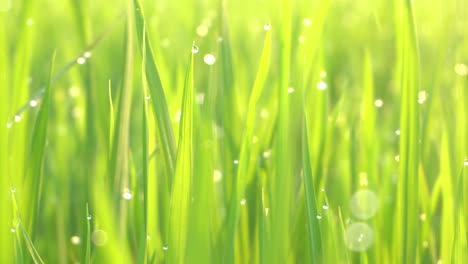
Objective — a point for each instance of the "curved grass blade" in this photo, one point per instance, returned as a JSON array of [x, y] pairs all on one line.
[[181, 193], [159, 102], [33, 184], [246, 149]]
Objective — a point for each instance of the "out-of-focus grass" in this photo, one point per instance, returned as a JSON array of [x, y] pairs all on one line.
[[233, 131]]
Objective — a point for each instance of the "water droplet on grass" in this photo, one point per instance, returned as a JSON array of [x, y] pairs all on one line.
[[165, 247], [89, 217], [75, 240], [364, 204], [243, 201], [397, 132], [127, 195], [321, 85], [9, 125], [236, 162], [397, 158], [267, 154], [148, 98], [378, 103], [33, 103], [209, 59], [290, 90], [465, 162], [87, 54], [359, 236], [81, 60], [325, 207], [17, 118], [13, 230], [266, 27], [29, 22], [319, 216], [13, 190], [195, 49], [307, 22]]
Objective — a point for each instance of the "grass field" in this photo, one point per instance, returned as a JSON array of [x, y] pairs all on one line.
[[214, 131]]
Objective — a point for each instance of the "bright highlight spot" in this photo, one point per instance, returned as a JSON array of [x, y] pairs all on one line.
[[359, 236], [209, 59], [364, 204]]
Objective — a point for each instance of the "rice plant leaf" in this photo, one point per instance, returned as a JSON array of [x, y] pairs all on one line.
[[313, 227], [159, 101], [34, 181], [181, 192], [246, 148]]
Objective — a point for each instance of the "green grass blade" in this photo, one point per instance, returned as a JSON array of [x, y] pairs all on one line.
[[159, 101], [313, 227], [408, 182], [34, 182], [181, 193], [246, 149]]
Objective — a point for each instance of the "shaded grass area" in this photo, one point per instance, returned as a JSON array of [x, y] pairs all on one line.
[[233, 132]]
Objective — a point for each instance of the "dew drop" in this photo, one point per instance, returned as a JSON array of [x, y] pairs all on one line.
[[267, 154], [9, 125], [307, 22], [323, 74], [322, 189], [13, 230], [81, 60], [13, 190], [33, 103], [127, 195], [89, 217], [319, 216], [236, 162], [397, 132], [290, 90], [165, 247], [243, 201], [209, 59], [17, 118], [195, 49], [87, 54], [147, 98], [29, 22], [266, 27], [465, 162], [264, 113], [364, 204], [325, 207], [378, 103], [359, 236], [75, 240], [322, 85], [397, 158]]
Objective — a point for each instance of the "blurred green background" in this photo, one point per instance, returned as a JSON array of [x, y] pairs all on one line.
[[205, 131]]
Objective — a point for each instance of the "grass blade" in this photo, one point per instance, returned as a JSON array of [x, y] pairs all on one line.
[[160, 107], [181, 193]]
